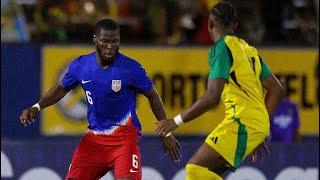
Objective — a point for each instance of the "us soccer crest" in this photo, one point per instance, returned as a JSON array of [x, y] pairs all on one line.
[[116, 85]]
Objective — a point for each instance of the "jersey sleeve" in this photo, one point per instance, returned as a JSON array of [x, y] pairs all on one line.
[[219, 61], [141, 80], [265, 70], [70, 80]]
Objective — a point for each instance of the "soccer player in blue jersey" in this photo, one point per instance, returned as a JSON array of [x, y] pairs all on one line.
[[111, 82]]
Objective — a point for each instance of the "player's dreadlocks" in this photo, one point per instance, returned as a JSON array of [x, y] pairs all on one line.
[[225, 13]]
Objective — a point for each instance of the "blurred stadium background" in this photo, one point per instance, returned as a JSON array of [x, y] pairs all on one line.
[[170, 38]]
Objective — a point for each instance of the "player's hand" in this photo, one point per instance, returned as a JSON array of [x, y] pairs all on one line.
[[172, 147], [259, 152], [165, 126], [28, 115]]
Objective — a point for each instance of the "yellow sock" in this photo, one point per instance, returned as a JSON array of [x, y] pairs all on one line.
[[196, 172]]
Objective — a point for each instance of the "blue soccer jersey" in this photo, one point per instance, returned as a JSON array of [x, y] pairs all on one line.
[[111, 92]]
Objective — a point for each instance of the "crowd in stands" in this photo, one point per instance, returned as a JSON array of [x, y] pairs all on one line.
[[173, 22]]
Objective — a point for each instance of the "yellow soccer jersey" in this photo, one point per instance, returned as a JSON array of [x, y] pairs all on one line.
[[233, 59]]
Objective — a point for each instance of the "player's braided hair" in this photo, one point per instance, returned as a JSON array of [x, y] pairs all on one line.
[[225, 13], [107, 24]]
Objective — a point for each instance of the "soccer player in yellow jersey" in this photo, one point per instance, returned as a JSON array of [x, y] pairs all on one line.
[[237, 76]]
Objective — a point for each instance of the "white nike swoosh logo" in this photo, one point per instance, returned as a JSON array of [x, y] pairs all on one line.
[[83, 81], [133, 171]]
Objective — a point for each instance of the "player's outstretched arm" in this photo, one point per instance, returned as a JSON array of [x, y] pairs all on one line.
[[210, 100], [170, 144], [56, 93], [274, 90]]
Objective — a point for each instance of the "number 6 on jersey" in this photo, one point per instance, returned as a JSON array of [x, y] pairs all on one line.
[[88, 93]]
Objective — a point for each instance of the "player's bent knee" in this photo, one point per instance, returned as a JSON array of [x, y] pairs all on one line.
[[195, 172]]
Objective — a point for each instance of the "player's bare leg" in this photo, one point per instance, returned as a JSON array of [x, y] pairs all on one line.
[[207, 158]]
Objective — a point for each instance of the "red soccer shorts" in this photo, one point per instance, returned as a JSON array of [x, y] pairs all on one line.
[[92, 160]]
